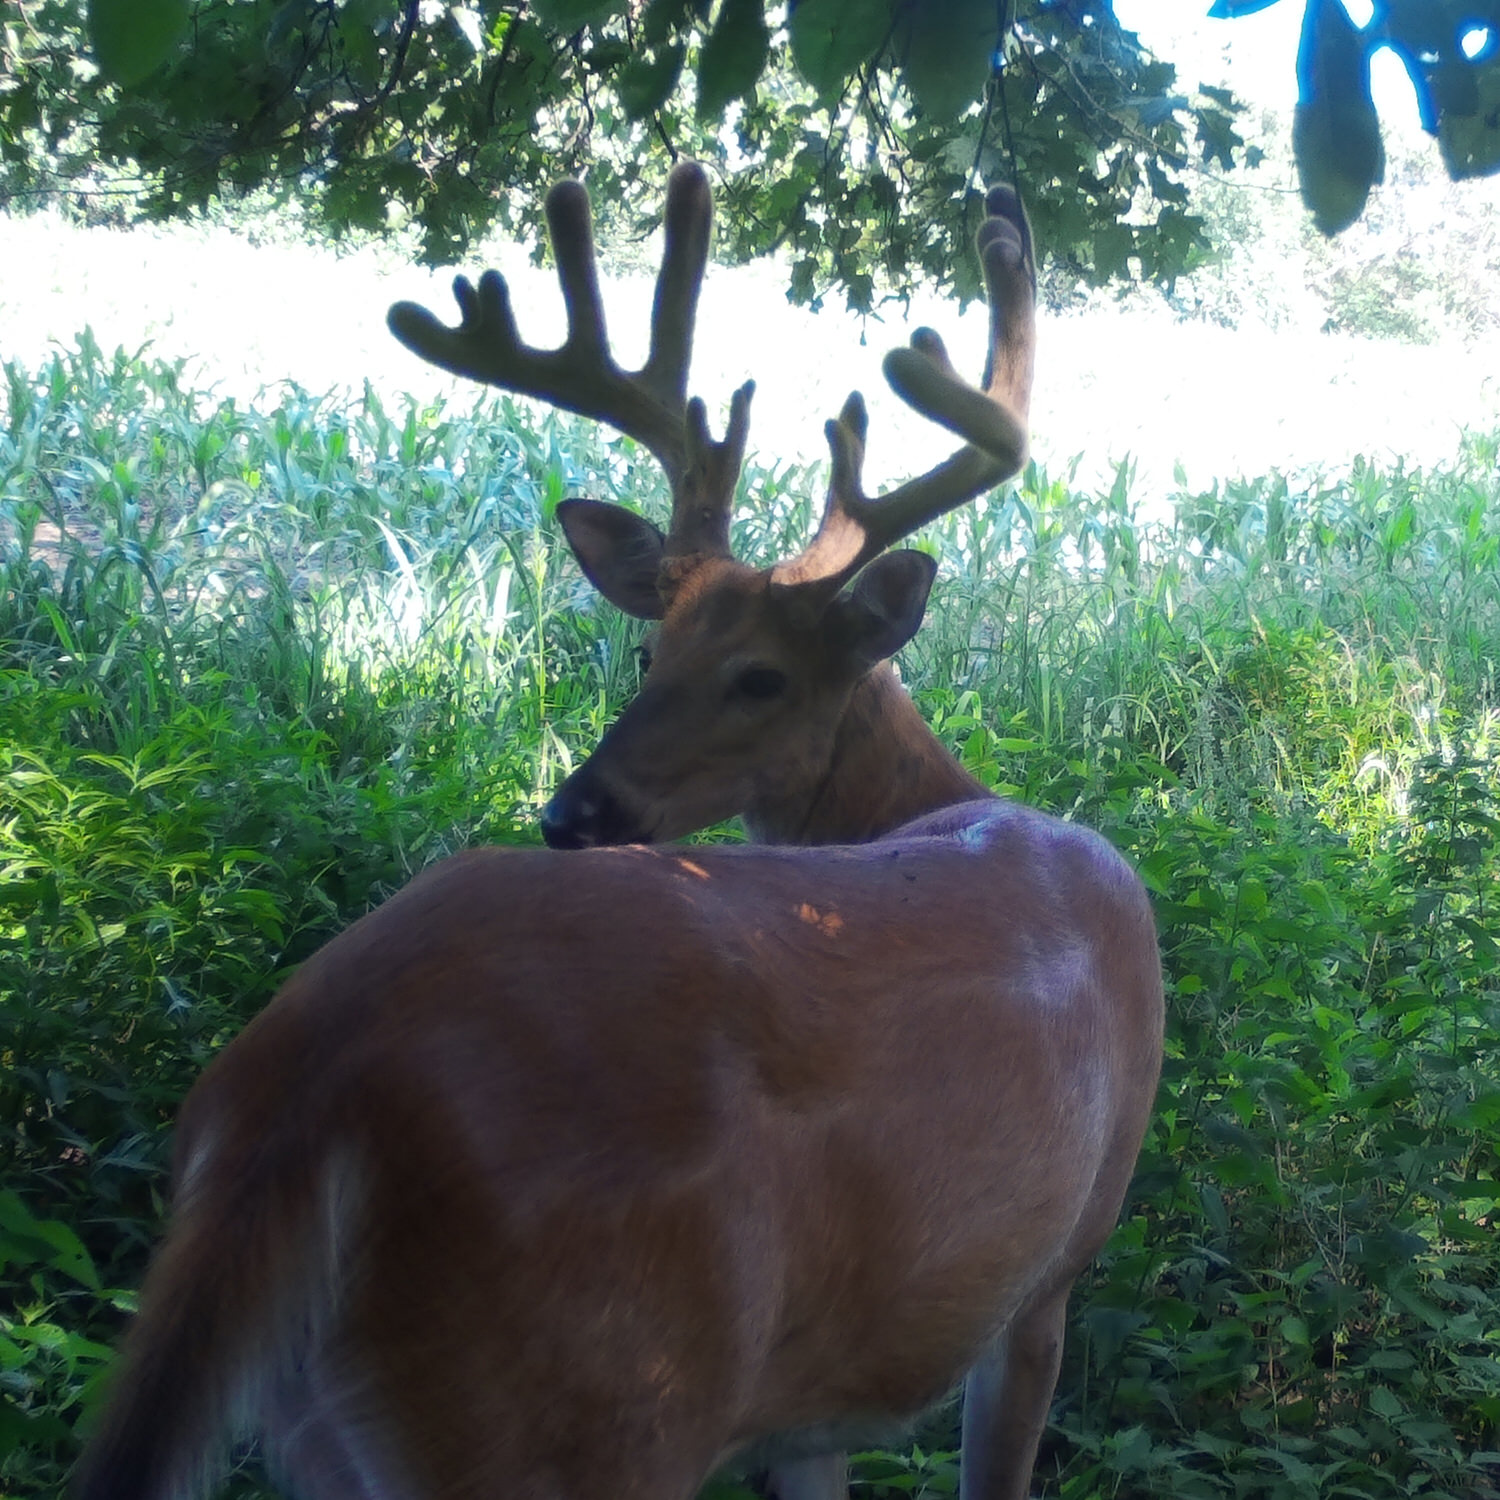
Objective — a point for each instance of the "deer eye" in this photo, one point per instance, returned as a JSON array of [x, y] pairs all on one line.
[[761, 683]]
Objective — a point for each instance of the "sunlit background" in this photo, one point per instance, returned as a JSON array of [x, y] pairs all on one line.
[[1171, 389]]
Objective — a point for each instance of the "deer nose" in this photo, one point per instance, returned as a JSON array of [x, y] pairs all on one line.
[[583, 813], [566, 821]]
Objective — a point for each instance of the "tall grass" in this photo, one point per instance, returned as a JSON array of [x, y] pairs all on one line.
[[258, 666]]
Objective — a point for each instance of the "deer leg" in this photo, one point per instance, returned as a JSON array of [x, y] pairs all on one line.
[[823, 1477], [1007, 1396]]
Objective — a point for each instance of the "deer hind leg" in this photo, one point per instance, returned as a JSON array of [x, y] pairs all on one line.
[[315, 1454], [309, 1449], [1007, 1396], [825, 1476]]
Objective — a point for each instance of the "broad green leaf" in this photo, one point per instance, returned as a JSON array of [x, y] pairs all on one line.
[[646, 81], [574, 15], [662, 17], [133, 38], [1335, 130], [733, 57], [946, 50], [1471, 141], [67, 1253], [831, 38], [20, 1429]]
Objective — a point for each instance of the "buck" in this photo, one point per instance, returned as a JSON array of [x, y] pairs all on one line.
[[572, 1175]]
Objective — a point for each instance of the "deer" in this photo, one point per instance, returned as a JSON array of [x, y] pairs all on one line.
[[592, 1170]]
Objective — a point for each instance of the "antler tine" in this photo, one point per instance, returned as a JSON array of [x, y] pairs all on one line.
[[991, 420], [703, 495], [703, 501], [582, 376], [570, 227], [687, 224]]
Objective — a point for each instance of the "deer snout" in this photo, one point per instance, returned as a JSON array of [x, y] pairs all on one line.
[[584, 813]]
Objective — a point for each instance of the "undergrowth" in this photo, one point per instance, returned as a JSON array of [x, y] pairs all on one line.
[[259, 666]]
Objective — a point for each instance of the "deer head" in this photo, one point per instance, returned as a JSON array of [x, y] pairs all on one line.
[[752, 670]]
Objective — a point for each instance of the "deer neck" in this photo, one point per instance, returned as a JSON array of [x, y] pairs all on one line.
[[887, 768]]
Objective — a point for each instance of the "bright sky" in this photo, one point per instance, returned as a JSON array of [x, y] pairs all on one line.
[[1256, 54]]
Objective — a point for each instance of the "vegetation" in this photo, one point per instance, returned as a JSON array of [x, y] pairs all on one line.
[[1449, 49], [857, 135], [1419, 267], [259, 666]]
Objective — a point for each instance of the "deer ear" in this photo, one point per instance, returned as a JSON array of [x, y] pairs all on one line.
[[881, 613], [620, 553]]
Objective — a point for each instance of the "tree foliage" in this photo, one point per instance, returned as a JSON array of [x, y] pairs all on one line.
[[856, 135], [1451, 52]]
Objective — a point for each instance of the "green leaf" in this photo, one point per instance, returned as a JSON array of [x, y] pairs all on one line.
[[831, 38], [1471, 142], [20, 1429], [733, 57], [568, 16], [1294, 1331], [63, 1249], [662, 17], [646, 82], [1335, 130], [946, 48], [133, 38]]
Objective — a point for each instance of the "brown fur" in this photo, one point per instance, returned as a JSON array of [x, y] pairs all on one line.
[[616, 1198]]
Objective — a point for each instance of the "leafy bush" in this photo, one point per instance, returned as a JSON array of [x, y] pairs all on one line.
[[259, 666]]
